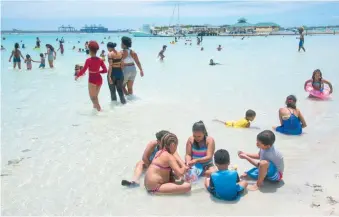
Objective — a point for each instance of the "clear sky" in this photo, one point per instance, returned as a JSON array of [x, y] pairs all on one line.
[[48, 15]]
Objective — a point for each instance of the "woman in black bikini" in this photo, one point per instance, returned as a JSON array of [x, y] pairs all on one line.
[[115, 74]]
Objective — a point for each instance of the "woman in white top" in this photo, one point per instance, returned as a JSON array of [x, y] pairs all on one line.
[[129, 59]]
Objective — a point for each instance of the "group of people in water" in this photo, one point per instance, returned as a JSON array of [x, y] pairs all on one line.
[[51, 54], [165, 171], [121, 70]]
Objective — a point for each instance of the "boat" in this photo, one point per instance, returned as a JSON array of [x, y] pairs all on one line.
[[145, 31]]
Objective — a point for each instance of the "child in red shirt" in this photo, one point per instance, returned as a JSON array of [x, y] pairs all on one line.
[[93, 65]]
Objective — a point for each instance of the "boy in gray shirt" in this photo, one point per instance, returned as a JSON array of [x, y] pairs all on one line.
[[271, 162]]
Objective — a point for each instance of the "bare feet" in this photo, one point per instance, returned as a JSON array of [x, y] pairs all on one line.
[[274, 127], [254, 187], [244, 176]]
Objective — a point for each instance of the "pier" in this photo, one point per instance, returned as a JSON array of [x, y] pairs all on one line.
[[66, 29]]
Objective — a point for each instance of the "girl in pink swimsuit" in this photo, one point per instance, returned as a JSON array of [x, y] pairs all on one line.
[[158, 175]]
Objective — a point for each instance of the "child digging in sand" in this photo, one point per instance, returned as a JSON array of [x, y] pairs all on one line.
[[242, 123], [158, 178], [271, 162], [224, 184]]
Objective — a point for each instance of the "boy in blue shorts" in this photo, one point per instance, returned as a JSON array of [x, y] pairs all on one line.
[[271, 162], [224, 184]]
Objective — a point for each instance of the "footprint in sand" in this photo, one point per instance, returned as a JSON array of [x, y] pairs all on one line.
[[315, 205], [331, 201], [26, 150], [15, 161]]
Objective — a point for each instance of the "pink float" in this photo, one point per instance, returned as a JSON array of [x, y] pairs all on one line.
[[325, 94]]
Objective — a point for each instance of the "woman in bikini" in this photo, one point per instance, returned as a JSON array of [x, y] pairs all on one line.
[[94, 80], [158, 175], [16, 54], [115, 74]]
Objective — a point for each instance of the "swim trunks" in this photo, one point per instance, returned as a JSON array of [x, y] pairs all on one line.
[[16, 60]]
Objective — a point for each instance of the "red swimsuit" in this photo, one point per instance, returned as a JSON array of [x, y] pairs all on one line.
[[94, 64]]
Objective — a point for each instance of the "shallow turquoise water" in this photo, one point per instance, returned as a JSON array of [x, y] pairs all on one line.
[[76, 160]]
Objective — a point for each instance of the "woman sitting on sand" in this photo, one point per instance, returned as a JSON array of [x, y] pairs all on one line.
[[158, 178], [291, 119], [129, 57], [200, 149], [151, 149]]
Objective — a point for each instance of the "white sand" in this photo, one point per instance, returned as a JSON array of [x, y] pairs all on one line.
[[66, 161]]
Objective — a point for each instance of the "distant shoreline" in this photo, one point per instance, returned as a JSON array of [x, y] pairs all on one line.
[[53, 31], [222, 35]]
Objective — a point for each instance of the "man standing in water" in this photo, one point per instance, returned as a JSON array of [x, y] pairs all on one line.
[[301, 38]]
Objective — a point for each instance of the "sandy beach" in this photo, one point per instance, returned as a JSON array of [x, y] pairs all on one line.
[[59, 158]]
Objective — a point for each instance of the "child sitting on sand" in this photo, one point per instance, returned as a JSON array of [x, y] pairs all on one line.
[[28, 62], [158, 175], [318, 82], [151, 149], [242, 123], [271, 162], [224, 184]]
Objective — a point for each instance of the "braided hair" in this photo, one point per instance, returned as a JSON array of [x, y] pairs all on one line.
[[167, 140]]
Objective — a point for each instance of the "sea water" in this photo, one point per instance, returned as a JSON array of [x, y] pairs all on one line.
[[59, 158]]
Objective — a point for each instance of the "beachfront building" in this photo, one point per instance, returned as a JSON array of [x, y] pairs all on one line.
[[266, 27], [241, 27], [93, 29], [66, 29]]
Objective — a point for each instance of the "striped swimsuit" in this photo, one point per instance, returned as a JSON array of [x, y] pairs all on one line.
[[200, 152]]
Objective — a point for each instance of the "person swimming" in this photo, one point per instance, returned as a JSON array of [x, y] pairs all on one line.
[[28, 62], [2, 47], [161, 53], [318, 82], [212, 63], [219, 48], [16, 54], [291, 119]]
